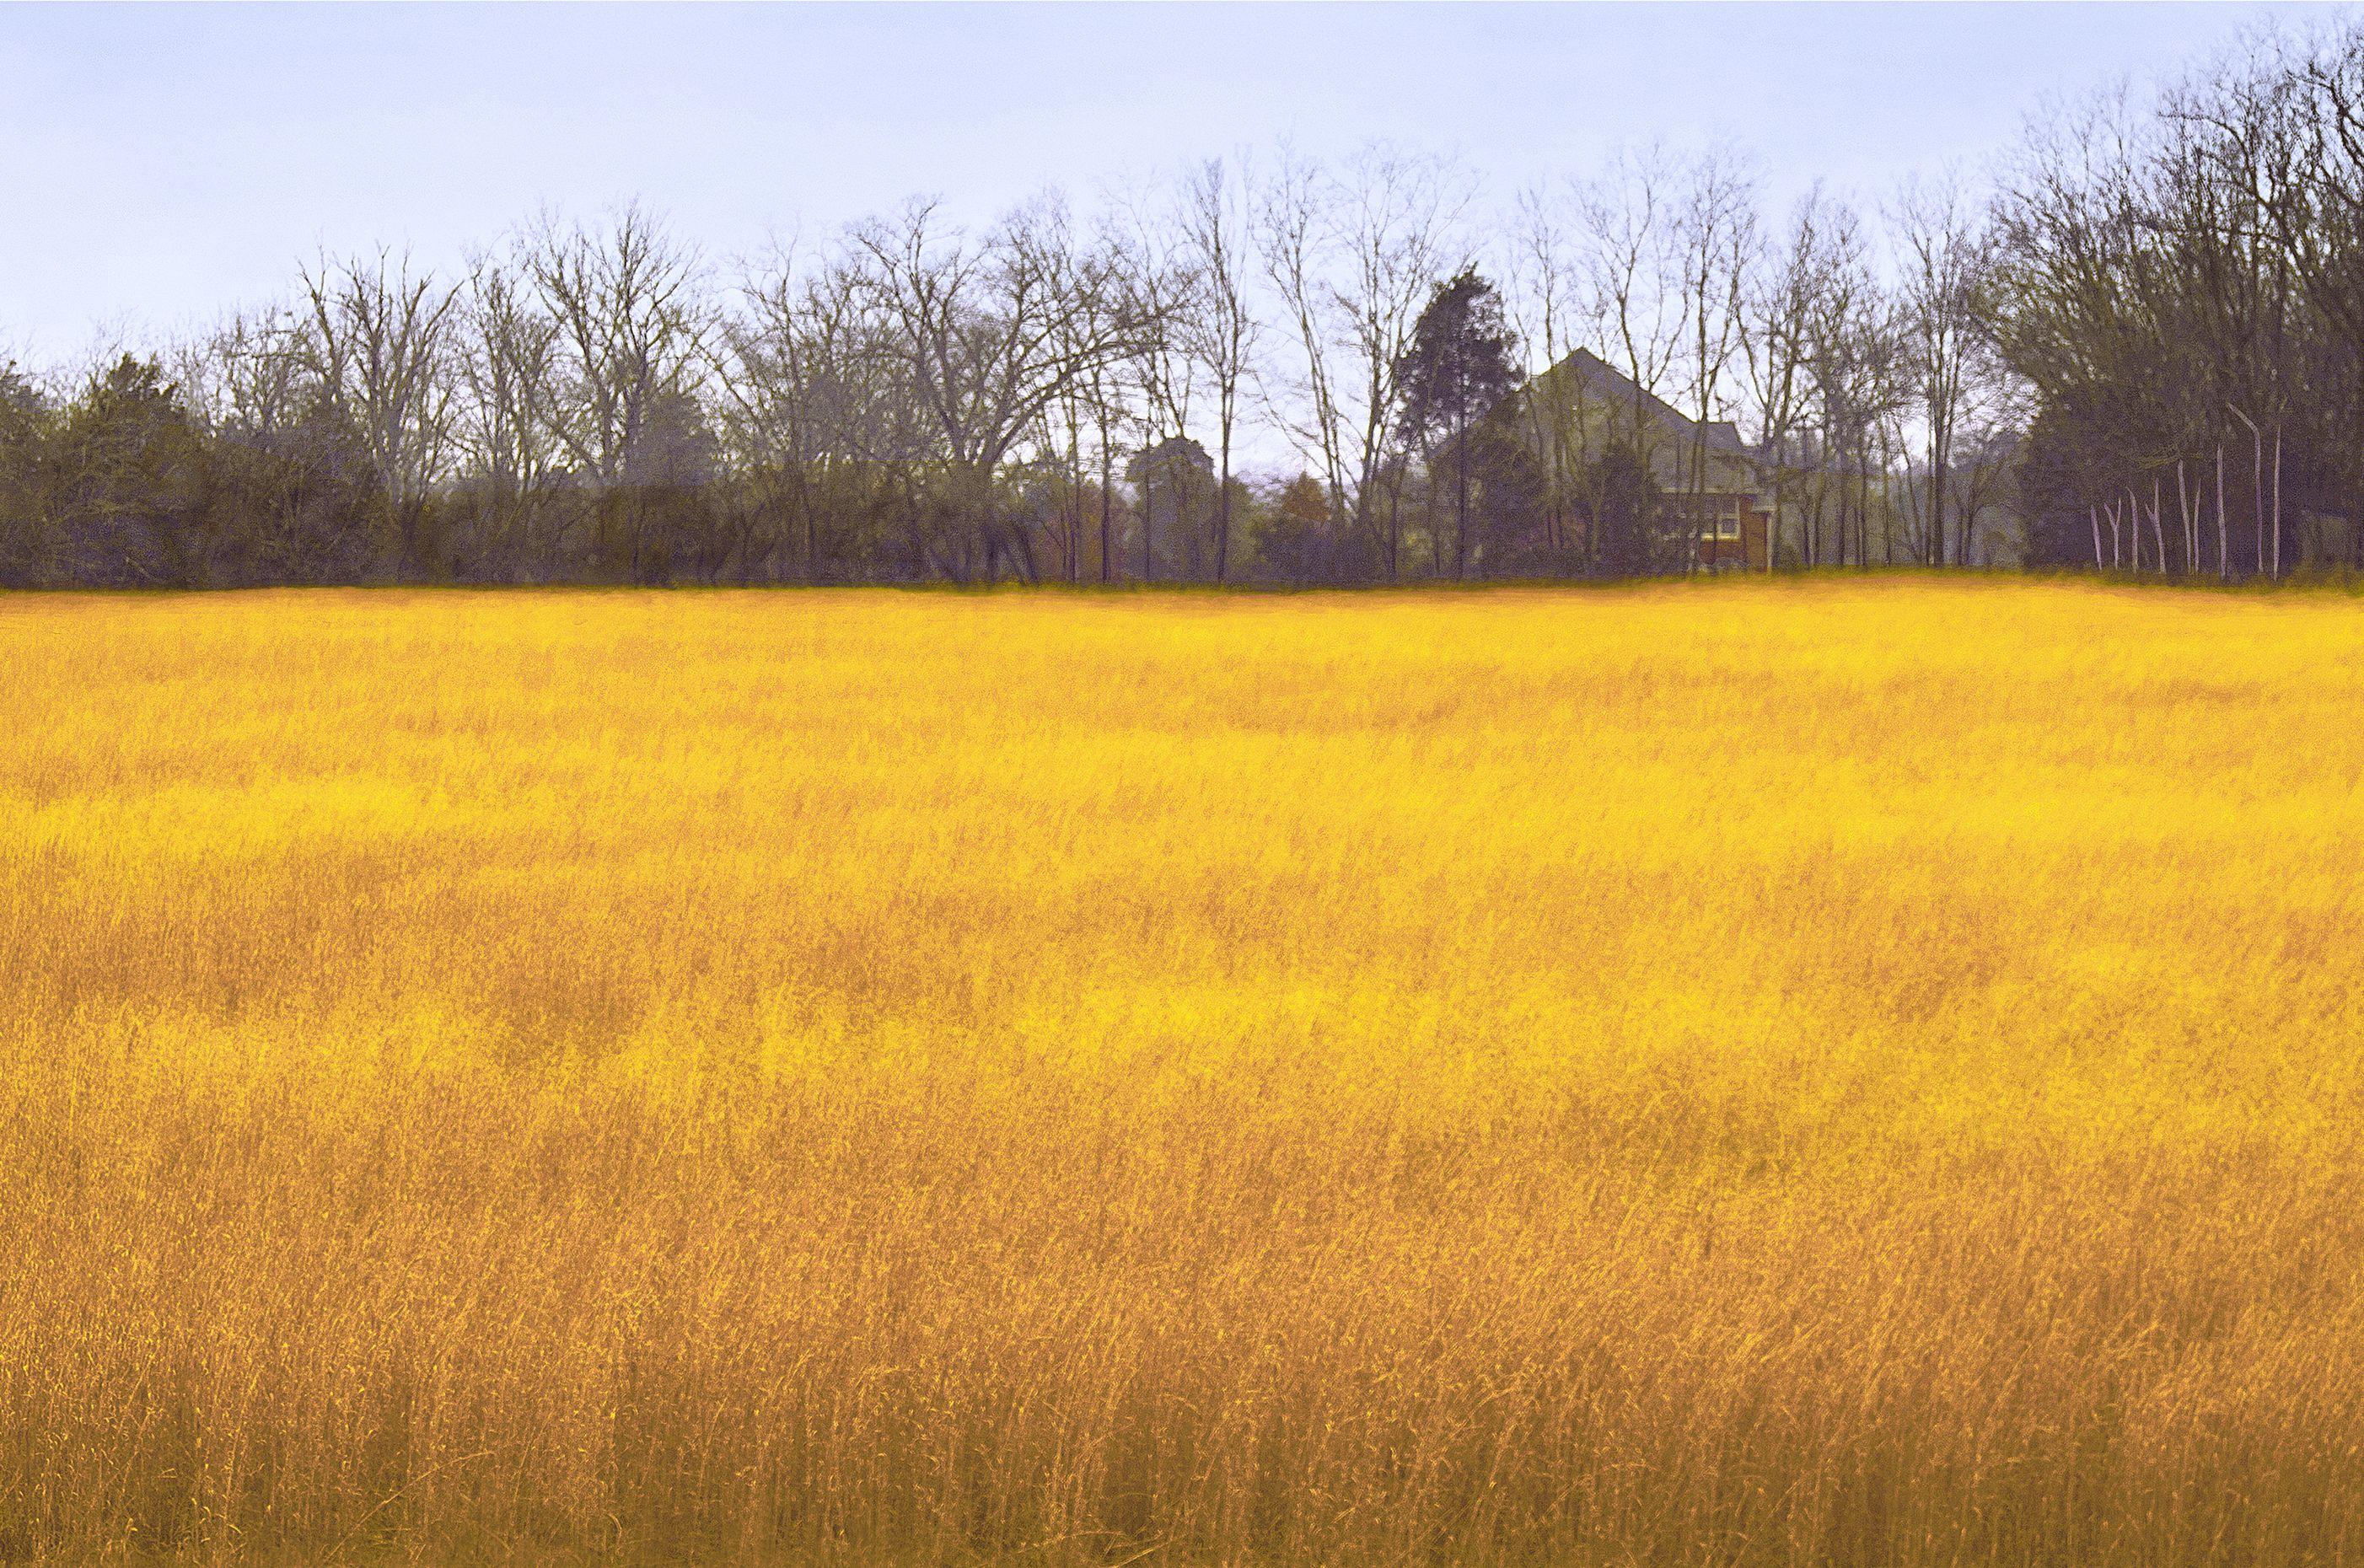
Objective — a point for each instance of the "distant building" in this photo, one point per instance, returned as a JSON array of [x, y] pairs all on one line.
[[1710, 498]]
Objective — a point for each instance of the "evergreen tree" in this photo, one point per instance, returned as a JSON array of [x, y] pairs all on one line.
[[1461, 363], [1624, 515]]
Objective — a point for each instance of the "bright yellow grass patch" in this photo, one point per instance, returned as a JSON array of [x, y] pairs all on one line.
[[1863, 1073]]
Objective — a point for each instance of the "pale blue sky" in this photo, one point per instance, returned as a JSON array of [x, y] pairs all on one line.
[[157, 164]]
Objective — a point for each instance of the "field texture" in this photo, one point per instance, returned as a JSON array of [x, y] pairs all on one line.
[[1860, 1073]]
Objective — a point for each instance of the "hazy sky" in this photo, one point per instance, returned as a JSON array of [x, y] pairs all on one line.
[[157, 164]]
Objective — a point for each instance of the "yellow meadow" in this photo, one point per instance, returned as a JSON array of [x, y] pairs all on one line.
[[1862, 1073]]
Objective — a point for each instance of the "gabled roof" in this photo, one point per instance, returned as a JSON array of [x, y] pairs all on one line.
[[1603, 382]]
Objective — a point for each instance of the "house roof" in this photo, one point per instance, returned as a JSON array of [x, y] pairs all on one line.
[[1603, 382]]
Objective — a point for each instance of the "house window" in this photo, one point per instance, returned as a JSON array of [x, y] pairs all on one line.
[[1727, 520]]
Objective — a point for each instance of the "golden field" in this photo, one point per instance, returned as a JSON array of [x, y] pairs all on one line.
[[1863, 1072]]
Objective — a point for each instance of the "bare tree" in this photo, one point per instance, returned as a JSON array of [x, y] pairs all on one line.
[[1856, 362], [1634, 261], [1296, 241], [992, 332], [630, 321], [1556, 313], [382, 340], [1354, 254], [252, 374], [507, 423], [1398, 218], [1219, 328], [1785, 294], [1943, 255], [1163, 371], [1717, 235]]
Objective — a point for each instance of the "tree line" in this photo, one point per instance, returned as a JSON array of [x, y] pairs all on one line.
[[2133, 348], [2182, 285]]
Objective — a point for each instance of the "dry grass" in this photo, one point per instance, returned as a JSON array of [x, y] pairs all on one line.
[[1844, 1074]]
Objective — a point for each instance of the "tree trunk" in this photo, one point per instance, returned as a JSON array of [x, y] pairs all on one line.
[[1224, 507], [2183, 515], [1936, 499], [1460, 519], [812, 542], [2278, 504], [2257, 490], [2223, 547], [1108, 505]]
